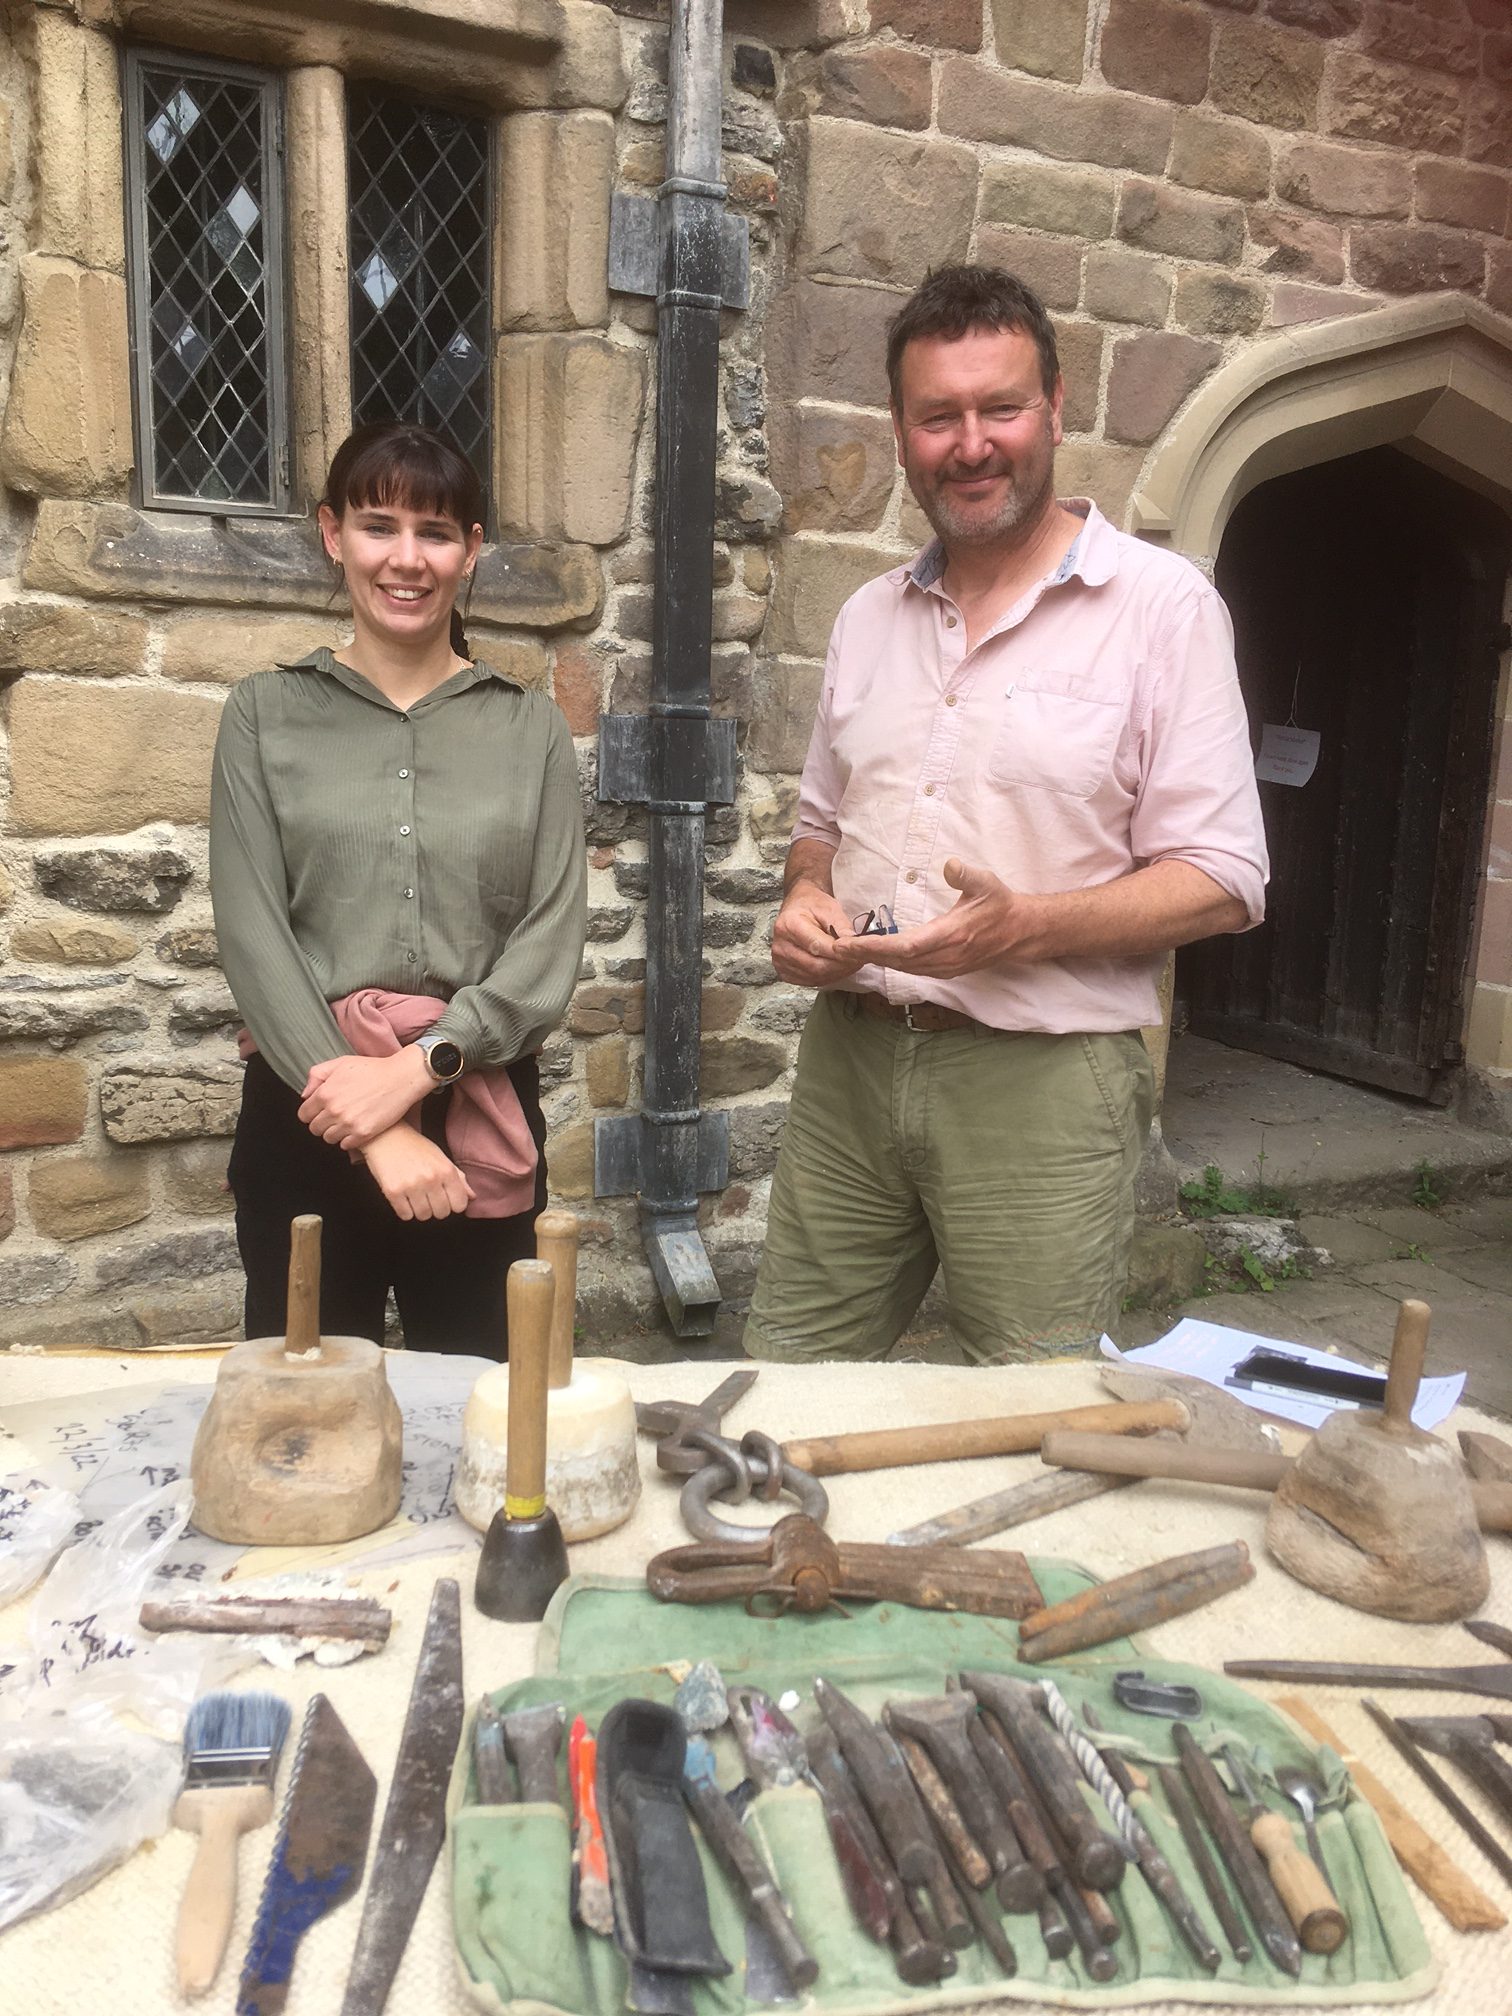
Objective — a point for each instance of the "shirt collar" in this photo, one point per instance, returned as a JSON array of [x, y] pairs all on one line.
[[323, 659], [1092, 556]]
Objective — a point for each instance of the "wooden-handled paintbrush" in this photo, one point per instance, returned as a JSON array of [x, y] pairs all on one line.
[[231, 1750]]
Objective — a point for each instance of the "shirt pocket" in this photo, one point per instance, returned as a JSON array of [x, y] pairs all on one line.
[[1058, 731]]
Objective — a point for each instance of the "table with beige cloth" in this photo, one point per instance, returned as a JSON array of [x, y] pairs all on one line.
[[114, 1943]]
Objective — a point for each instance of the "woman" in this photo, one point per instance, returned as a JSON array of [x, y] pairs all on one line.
[[398, 874]]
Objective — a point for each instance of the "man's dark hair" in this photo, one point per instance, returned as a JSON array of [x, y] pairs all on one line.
[[952, 301]]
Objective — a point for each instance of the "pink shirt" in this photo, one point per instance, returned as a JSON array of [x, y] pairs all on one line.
[[1098, 727]]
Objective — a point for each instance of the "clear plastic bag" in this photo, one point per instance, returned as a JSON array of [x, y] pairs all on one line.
[[74, 1803], [36, 1519]]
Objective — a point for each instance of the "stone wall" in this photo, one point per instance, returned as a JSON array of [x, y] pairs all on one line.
[[1178, 178]]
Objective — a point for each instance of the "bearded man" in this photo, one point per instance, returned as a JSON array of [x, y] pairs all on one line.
[[1031, 755]]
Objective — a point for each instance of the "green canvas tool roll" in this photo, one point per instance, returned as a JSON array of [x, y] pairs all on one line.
[[607, 1638]]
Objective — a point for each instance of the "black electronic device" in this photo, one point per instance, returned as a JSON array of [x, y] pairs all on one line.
[[1278, 1372]]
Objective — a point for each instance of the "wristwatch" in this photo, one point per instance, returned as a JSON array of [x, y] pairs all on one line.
[[443, 1059]]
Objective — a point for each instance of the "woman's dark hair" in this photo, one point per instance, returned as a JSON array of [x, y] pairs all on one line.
[[394, 462], [952, 301]]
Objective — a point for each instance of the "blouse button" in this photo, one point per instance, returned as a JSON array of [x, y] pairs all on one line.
[[404, 773], [408, 893], [404, 829], [409, 958]]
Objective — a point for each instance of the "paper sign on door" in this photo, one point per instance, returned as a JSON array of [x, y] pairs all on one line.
[[1287, 755]]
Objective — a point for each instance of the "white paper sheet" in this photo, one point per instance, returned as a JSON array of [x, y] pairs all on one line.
[[1209, 1351], [1288, 755]]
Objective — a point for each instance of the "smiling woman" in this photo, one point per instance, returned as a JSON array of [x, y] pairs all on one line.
[[398, 875]]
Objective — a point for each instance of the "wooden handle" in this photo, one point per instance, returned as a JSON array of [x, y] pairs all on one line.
[[1409, 1348], [1463, 1903], [998, 1435], [556, 1234], [1301, 1885], [1253, 1469], [302, 1322], [529, 1292], [209, 1904]]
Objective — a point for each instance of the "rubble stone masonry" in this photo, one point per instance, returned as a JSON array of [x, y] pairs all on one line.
[[1178, 178]]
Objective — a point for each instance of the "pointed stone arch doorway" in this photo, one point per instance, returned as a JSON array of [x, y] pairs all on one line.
[[1349, 487]]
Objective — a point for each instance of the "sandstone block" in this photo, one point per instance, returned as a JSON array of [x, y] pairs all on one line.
[[1159, 218], [184, 1256], [1415, 258], [68, 419], [1150, 378], [1157, 47], [31, 1278], [720, 1007], [1374, 101], [1423, 38], [169, 1099], [1050, 266], [732, 1064], [1047, 38], [755, 1137], [80, 207], [208, 1317], [1345, 181], [1319, 17], [1077, 202], [606, 922], [526, 660], [1101, 471], [571, 407], [600, 1010], [883, 208], [52, 637], [1267, 74], [787, 699], [941, 24], [198, 1009], [42, 1101], [883, 85], [1115, 129], [729, 676], [588, 67], [828, 341], [1219, 304], [1488, 134], [1223, 155], [814, 576], [7, 1204], [1303, 247], [194, 1178], [555, 166], [752, 184], [744, 885], [62, 1017], [219, 650], [63, 941], [1080, 345], [1124, 286], [143, 877], [576, 683], [319, 269], [755, 971], [569, 1161], [834, 469], [73, 1197], [1450, 194], [609, 1071], [771, 817], [94, 759], [1291, 303], [737, 617]]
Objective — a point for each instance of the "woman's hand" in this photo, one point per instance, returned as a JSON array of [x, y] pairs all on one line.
[[349, 1101], [419, 1179]]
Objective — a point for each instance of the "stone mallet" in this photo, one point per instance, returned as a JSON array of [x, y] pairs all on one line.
[[524, 1557]]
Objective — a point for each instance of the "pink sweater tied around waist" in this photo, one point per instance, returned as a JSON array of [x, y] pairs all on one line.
[[487, 1134]]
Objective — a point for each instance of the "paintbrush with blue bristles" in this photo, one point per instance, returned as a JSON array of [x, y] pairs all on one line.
[[231, 1749]]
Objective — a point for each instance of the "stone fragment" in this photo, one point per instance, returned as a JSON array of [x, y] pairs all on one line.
[[197, 1009], [729, 1065], [978, 101], [1101, 471], [34, 1277], [1488, 134], [42, 1101], [555, 166], [1165, 1265], [1267, 74], [1219, 304], [744, 885], [883, 208], [169, 1099], [1345, 181], [787, 699], [67, 429], [723, 928], [834, 469], [1080, 345], [1077, 202], [54, 637], [1415, 258], [1051, 267], [100, 759], [63, 942], [599, 1010], [194, 1179], [752, 68], [80, 206], [720, 1007], [219, 650], [571, 407], [827, 340], [1150, 378], [1303, 247], [745, 507], [737, 616], [940, 24], [569, 1161], [74, 1196], [783, 1011], [814, 577], [1125, 286], [183, 1256], [883, 85], [525, 660], [745, 393], [755, 1137], [632, 879], [143, 876], [1160, 218], [1158, 48], [1226, 156], [1422, 38], [609, 1071], [771, 817], [209, 1317], [1372, 101], [62, 1017], [576, 683], [189, 945], [1447, 193], [1048, 38]]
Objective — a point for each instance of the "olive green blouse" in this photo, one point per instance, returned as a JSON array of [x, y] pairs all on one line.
[[434, 851]]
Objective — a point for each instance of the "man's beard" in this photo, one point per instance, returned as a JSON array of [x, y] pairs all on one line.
[[1030, 485]]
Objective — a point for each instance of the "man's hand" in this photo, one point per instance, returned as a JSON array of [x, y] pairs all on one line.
[[989, 921], [351, 1100], [419, 1179], [807, 936]]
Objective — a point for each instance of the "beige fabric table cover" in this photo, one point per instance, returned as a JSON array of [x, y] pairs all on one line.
[[114, 1943]]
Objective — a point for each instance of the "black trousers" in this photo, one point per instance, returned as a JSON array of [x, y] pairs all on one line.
[[447, 1274]]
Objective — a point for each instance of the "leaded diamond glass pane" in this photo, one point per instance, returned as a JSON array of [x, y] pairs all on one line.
[[208, 282], [419, 191]]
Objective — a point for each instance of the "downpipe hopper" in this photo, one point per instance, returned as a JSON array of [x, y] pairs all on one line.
[[682, 1271]]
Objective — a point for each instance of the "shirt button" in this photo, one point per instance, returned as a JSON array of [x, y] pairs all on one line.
[[950, 622], [929, 790], [950, 699], [404, 829], [409, 958], [404, 773], [912, 875], [408, 893]]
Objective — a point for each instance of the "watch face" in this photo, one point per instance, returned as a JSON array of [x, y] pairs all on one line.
[[444, 1059]]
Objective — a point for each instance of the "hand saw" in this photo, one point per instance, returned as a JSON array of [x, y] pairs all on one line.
[[317, 1859]]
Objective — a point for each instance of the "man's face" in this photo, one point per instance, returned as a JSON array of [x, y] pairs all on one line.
[[977, 433]]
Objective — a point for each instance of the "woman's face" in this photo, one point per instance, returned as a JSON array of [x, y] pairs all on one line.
[[404, 569]]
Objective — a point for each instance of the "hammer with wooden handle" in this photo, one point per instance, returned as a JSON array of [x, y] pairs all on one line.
[[996, 1435]]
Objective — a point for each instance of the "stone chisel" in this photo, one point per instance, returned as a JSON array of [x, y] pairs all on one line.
[[1441, 1789], [1239, 1854], [414, 1820]]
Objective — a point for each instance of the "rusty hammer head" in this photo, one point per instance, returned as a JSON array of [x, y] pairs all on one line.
[[1450, 1735]]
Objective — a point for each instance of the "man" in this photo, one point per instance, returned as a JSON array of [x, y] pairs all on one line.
[[1031, 748]]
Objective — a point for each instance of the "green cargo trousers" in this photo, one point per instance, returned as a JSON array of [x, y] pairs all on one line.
[[1005, 1158]]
